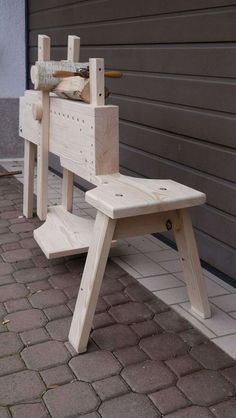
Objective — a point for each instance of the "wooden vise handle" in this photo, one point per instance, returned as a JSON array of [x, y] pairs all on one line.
[[64, 74]]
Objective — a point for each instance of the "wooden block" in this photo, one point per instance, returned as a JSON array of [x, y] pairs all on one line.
[[146, 224], [29, 127]]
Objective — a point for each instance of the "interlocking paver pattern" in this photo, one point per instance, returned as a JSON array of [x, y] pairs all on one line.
[[143, 360]]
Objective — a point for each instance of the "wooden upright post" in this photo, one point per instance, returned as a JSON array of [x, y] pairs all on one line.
[[97, 87], [29, 164], [73, 53], [43, 148]]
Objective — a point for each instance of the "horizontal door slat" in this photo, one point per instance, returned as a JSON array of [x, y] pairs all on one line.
[[95, 11], [220, 193], [210, 126], [207, 158], [205, 93], [216, 224], [195, 27]]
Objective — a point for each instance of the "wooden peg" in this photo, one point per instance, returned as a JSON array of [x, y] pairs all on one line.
[[44, 45], [37, 111], [73, 49]]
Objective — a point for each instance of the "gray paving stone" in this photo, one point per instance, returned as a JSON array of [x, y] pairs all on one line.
[[4, 413], [131, 405], [57, 312], [31, 410], [71, 400], [111, 387], [11, 214], [10, 343], [110, 286], [11, 364], [5, 268], [101, 320], [191, 412], [59, 329], [17, 305], [30, 275], [19, 387], [146, 328], [114, 337], [34, 336], [157, 306], [116, 299], [8, 238], [57, 375], [130, 313], [225, 409], [164, 346], [127, 280], [57, 269], [25, 320], [205, 387], [72, 291], [7, 279], [169, 400], [28, 243], [64, 280], [113, 270], [211, 356], [76, 265], [130, 355], [148, 376], [10, 246], [101, 305], [2, 310], [183, 365], [95, 366], [44, 355], [193, 337], [38, 285], [230, 374], [47, 298], [139, 293], [12, 291], [92, 415], [22, 227], [172, 321], [16, 255]]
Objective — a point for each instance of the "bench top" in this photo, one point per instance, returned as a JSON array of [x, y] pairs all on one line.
[[120, 196]]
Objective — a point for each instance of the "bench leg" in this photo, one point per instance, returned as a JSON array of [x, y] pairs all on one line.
[[192, 270], [29, 164], [67, 189], [91, 282]]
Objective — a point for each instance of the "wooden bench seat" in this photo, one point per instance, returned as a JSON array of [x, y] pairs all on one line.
[[120, 196]]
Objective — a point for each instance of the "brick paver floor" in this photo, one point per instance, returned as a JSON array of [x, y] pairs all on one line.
[[143, 360]]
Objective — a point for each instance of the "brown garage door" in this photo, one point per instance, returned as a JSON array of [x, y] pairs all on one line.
[[177, 97]]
